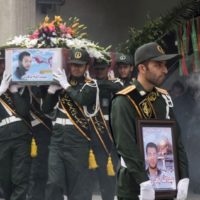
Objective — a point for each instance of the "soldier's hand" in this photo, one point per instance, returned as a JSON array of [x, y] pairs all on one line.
[[182, 189], [61, 77], [146, 191], [53, 88], [5, 82], [14, 88], [87, 74], [111, 75]]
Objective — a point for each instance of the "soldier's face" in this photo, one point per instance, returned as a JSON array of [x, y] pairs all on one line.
[[124, 71], [26, 62], [101, 73], [155, 72], [152, 157], [77, 70]]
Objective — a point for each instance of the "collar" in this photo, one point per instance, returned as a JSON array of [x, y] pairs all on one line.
[[76, 80], [141, 89]]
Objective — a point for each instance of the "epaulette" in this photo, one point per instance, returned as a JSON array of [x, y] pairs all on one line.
[[88, 80], [127, 90], [112, 79], [161, 90]]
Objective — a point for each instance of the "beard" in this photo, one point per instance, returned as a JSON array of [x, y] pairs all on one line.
[[158, 81]]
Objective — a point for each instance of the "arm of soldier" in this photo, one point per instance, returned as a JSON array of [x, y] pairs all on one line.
[[123, 128], [21, 103], [111, 85], [85, 96], [182, 156], [49, 102]]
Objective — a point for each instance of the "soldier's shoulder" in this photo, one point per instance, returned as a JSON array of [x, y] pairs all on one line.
[[89, 80], [126, 90], [162, 91]]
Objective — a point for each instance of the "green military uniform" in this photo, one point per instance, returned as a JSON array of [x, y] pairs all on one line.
[[107, 183], [123, 59], [41, 128], [15, 142], [124, 115], [69, 149]]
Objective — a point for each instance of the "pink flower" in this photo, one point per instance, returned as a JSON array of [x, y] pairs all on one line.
[[62, 28], [51, 27], [34, 35], [69, 31]]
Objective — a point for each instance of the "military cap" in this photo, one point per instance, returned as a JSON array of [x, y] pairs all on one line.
[[123, 59], [2, 54], [78, 56], [100, 63], [151, 51]]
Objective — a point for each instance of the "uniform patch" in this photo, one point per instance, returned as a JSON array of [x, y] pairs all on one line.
[[127, 90], [163, 91], [146, 108]]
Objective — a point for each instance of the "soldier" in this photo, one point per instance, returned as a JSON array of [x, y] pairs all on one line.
[[128, 106], [70, 144], [41, 128], [15, 140], [124, 68], [107, 89], [2, 68]]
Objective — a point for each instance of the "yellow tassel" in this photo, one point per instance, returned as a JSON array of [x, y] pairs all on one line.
[[110, 168], [92, 160], [33, 148]]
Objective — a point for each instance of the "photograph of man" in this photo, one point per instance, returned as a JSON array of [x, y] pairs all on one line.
[[25, 61], [152, 160]]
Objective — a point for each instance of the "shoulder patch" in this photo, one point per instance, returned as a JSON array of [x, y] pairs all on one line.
[[88, 80], [127, 90], [163, 91], [112, 79]]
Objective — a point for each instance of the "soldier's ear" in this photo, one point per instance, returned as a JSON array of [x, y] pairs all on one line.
[[142, 68], [87, 67], [131, 67]]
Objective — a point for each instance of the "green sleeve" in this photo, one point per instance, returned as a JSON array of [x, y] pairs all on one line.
[[85, 96], [181, 153], [112, 86], [123, 117], [49, 102], [22, 105]]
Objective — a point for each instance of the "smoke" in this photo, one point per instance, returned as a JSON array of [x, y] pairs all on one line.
[[193, 83], [190, 127]]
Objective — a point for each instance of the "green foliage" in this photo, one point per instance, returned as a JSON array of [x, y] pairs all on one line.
[[156, 29], [149, 32]]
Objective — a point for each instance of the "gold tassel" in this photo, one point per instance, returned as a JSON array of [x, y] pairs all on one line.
[[33, 148], [92, 160], [110, 168]]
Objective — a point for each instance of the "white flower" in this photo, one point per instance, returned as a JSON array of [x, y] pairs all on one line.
[[30, 43], [93, 49]]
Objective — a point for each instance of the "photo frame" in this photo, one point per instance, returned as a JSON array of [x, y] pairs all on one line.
[[34, 66], [156, 139]]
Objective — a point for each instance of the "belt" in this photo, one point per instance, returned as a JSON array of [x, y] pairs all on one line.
[[9, 120], [63, 121], [35, 122]]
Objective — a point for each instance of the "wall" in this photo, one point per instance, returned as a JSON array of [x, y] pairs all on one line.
[[16, 17], [108, 21]]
